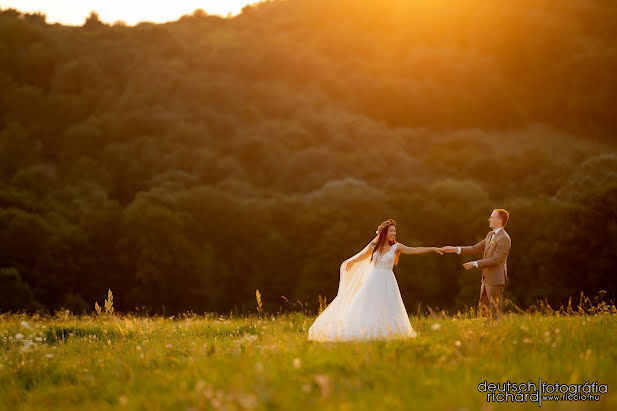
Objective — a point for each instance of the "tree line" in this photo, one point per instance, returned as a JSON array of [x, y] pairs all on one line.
[[185, 165]]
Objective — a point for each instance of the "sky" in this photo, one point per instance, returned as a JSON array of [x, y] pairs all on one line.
[[74, 12]]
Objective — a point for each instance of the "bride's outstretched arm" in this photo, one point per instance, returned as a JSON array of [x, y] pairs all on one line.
[[418, 250], [366, 252]]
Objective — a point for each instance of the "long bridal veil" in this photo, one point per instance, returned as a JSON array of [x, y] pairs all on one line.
[[350, 281], [329, 324]]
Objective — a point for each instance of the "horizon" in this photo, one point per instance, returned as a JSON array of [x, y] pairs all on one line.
[[112, 11]]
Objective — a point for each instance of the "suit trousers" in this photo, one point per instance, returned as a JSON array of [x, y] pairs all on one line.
[[491, 297]]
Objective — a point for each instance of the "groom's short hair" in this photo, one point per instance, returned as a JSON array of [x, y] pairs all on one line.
[[505, 216]]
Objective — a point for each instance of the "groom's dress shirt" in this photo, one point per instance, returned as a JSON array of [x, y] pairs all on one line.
[[475, 263]]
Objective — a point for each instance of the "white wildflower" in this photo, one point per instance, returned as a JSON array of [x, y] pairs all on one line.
[[28, 345], [248, 401], [325, 384]]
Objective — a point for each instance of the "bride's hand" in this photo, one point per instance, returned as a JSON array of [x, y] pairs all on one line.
[[439, 251]]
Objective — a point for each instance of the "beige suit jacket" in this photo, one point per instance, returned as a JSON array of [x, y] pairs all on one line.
[[494, 264]]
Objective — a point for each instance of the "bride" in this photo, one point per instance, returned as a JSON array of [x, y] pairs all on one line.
[[369, 304]]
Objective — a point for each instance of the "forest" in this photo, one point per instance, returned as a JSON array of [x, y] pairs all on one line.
[[185, 165]]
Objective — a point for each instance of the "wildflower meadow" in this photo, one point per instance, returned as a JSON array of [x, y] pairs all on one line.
[[260, 361]]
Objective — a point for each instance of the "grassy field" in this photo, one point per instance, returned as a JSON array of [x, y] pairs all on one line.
[[266, 362]]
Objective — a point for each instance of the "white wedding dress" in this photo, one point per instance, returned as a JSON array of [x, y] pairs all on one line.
[[368, 305]]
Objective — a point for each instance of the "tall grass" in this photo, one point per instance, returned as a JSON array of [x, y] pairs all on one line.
[[110, 360]]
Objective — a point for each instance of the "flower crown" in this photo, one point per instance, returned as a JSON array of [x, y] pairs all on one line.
[[385, 224]]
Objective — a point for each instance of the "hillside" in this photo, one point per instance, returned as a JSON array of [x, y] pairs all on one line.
[[186, 164]]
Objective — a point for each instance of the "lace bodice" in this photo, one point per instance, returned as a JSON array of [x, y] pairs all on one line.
[[386, 260]]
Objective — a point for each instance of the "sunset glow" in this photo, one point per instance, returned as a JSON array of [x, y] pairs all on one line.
[[72, 12]]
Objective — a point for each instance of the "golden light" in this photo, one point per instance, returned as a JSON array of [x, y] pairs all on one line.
[[74, 12]]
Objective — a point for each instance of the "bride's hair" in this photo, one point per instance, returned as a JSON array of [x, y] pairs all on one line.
[[382, 231]]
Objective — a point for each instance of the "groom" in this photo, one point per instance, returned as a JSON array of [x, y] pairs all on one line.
[[495, 248]]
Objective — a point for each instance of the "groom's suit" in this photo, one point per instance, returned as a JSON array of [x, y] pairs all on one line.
[[494, 267]]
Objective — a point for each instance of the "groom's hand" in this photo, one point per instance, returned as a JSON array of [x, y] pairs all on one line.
[[449, 249], [468, 266]]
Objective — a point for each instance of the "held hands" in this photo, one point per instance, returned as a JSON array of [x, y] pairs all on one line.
[[450, 249]]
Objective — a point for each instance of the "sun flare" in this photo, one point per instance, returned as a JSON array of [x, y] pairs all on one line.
[[71, 12]]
